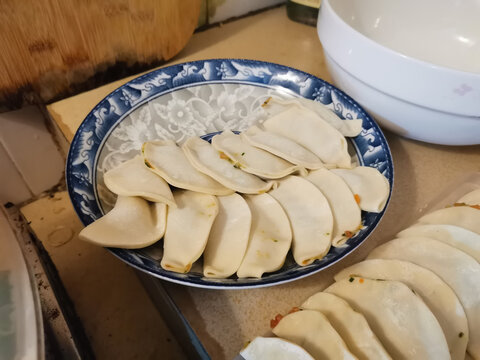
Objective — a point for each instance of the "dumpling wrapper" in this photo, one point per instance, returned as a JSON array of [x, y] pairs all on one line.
[[459, 270], [167, 160], [206, 159], [311, 330], [274, 348], [310, 131], [472, 198], [310, 218], [228, 238], [251, 159], [188, 227], [436, 294], [347, 216], [400, 319], [458, 237], [369, 184], [270, 237], [348, 127], [350, 325], [282, 147], [463, 216], [133, 223], [133, 178]]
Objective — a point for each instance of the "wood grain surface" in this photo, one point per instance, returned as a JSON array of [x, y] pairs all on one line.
[[55, 48]]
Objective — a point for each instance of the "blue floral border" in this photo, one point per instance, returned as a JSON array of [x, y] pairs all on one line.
[[371, 146]]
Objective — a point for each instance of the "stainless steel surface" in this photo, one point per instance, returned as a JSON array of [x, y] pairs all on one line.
[[58, 331]]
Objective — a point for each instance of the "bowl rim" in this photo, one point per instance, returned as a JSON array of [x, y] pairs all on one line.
[[455, 91]]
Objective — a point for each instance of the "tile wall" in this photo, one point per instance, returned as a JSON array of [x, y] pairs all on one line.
[[30, 162], [215, 11]]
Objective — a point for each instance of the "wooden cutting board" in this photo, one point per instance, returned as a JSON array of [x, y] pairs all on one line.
[[55, 48]]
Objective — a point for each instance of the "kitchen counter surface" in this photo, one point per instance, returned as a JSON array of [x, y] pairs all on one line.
[[224, 320]]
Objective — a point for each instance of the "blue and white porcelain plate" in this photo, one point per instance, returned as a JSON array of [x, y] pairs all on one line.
[[201, 98]]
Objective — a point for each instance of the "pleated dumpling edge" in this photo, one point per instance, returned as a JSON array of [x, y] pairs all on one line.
[[167, 160]]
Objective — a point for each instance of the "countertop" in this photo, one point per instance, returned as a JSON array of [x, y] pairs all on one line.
[[225, 320]]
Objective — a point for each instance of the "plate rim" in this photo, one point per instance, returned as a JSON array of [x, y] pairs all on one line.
[[202, 282]]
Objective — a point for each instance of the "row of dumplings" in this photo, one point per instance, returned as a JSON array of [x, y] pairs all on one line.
[[246, 234], [414, 297], [291, 141], [249, 233], [301, 135]]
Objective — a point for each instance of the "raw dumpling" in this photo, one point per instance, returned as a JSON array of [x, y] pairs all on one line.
[[166, 159], [314, 333], [188, 227], [310, 131], [348, 127], [251, 159], [282, 147], [310, 218], [228, 238], [459, 270], [400, 319], [458, 237], [463, 216], [209, 161], [270, 237], [347, 219], [472, 198], [369, 186], [133, 223], [351, 325], [133, 178], [266, 348], [436, 294]]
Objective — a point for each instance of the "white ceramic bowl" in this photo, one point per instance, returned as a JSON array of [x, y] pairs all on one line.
[[415, 65]]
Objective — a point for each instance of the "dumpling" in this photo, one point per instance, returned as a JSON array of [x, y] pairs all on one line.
[[436, 294], [209, 161], [348, 127], [347, 217], [282, 147], [463, 216], [472, 198], [167, 160], [314, 333], [369, 186], [274, 348], [188, 227], [310, 218], [459, 270], [310, 131], [133, 178], [400, 319], [251, 159], [270, 237], [133, 223], [228, 238], [351, 325], [458, 237]]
